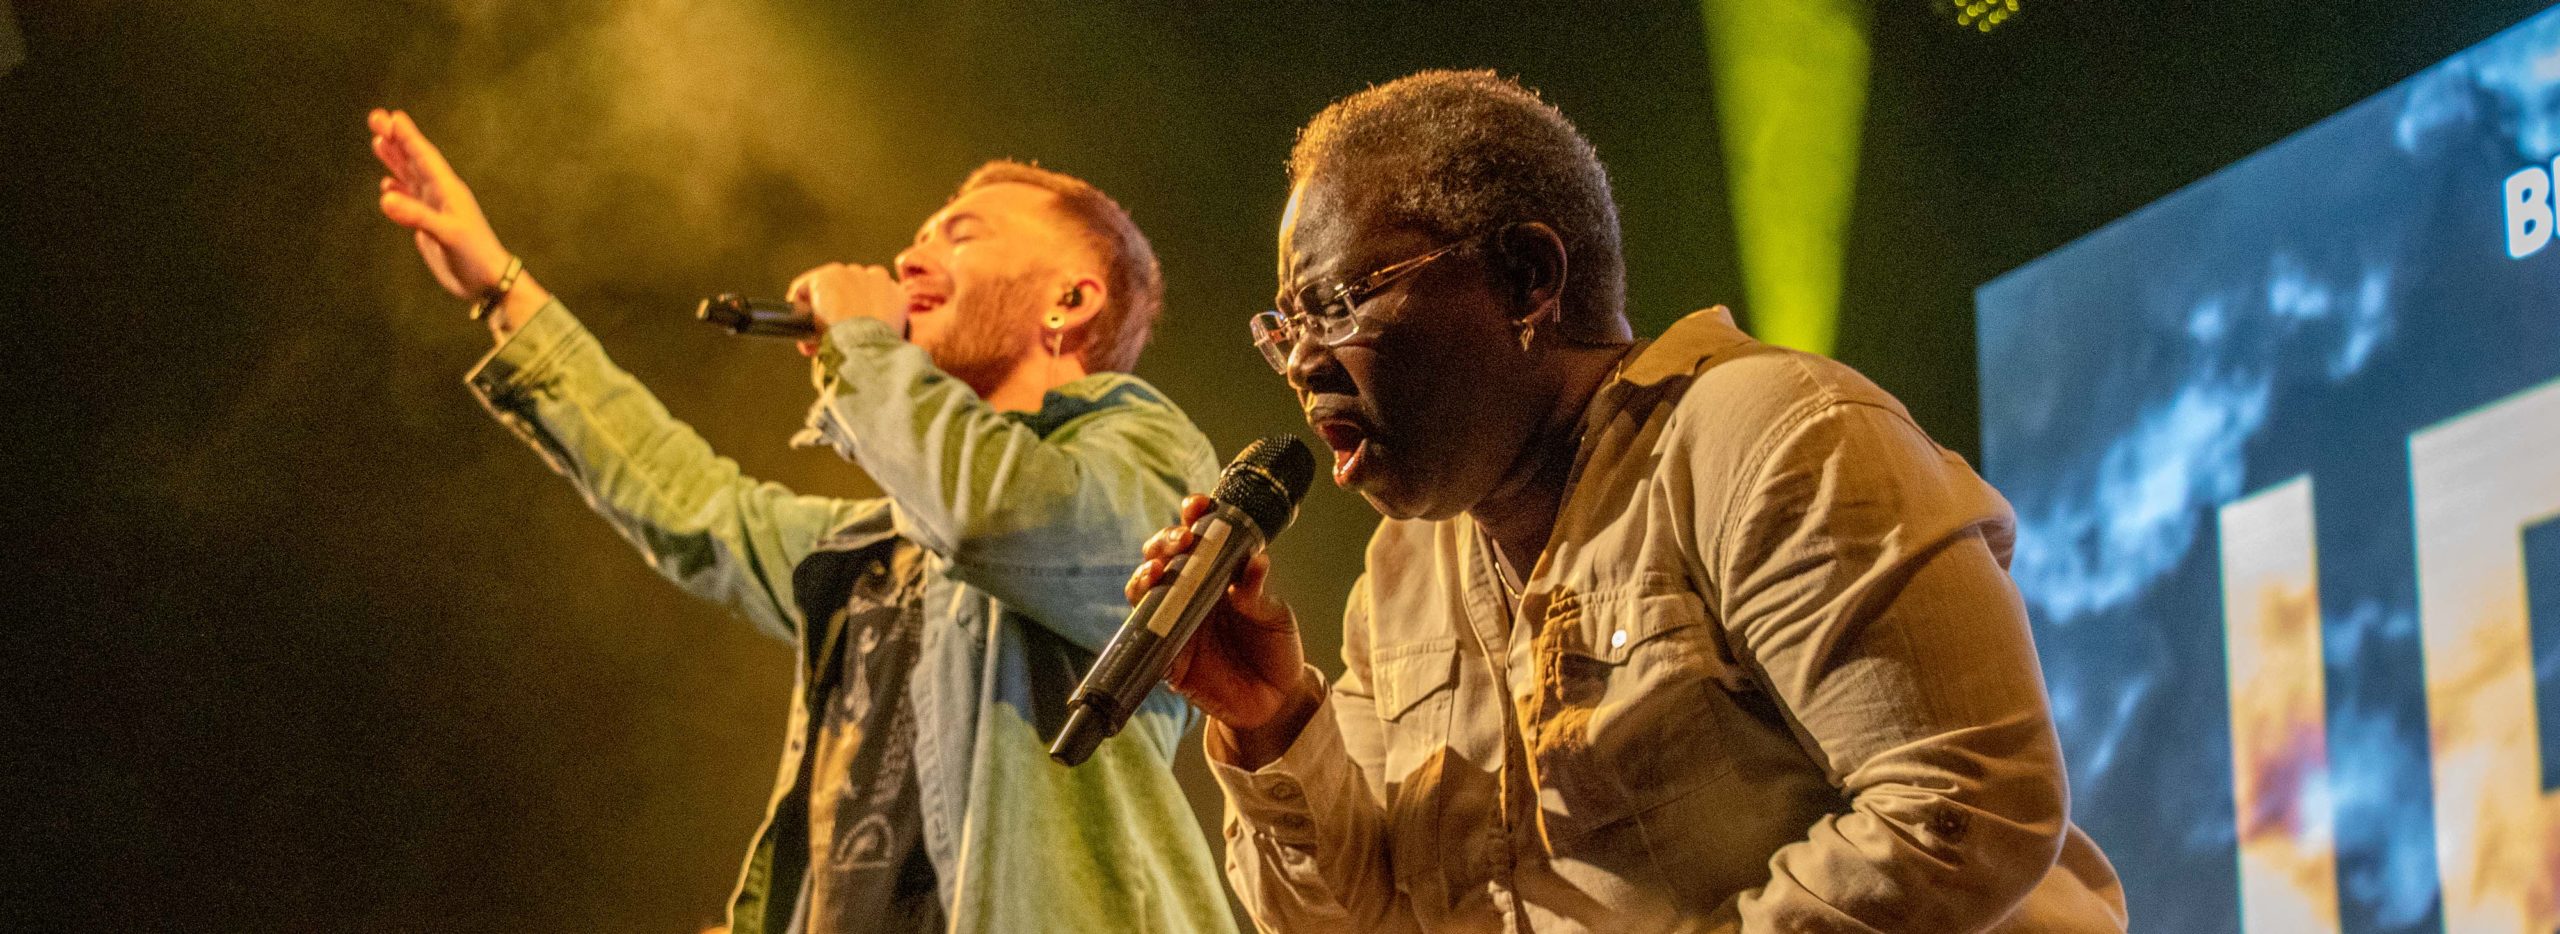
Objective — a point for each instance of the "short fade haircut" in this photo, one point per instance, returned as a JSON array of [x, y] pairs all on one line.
[[1121, 328], [1466, 153]]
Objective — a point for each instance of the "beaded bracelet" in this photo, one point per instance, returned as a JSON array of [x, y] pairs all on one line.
[[498, 293]]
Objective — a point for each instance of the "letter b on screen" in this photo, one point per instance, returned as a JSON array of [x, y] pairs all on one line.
[[2528, 212]]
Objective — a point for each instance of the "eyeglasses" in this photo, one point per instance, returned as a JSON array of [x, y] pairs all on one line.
[[1331, 316]]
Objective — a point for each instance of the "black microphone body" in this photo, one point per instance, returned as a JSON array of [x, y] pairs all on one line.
[[756, 317], [1256, 498]]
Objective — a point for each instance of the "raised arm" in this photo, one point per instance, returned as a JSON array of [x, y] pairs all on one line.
[[716, 533]]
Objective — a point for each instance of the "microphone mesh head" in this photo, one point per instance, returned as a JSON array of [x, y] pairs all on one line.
[[1267, 481]]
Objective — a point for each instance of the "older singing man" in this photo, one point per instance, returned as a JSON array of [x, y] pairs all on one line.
[[1688, 634]]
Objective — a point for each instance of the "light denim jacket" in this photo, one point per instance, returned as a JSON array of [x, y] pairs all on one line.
[[1024, 518]]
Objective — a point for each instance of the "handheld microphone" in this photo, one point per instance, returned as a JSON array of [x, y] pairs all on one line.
[[1257, 496], [756, 317]]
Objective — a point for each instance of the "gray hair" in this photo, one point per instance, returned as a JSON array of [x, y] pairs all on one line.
[[1467, 153]]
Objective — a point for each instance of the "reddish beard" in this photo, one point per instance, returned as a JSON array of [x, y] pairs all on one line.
[[991, 332]]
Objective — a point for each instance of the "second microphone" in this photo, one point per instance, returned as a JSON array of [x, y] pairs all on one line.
[[1256, 498], [756, 317]]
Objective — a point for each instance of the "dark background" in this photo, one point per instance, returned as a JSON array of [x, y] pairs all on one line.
[[303, 642]]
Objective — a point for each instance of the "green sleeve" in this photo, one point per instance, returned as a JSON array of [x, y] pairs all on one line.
[[718, 534], [1049, 522]]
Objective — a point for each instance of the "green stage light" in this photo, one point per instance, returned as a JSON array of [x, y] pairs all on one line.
[[1791, 94]]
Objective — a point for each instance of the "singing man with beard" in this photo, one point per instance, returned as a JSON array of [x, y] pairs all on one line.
[[938, 630]]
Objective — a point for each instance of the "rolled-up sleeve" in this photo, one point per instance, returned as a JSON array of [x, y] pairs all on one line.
[[1861, 580]]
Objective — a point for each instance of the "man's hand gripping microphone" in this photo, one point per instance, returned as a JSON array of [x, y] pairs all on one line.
[[1256, 498]]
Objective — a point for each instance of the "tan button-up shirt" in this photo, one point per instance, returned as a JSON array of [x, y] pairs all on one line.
[[1770, 675]]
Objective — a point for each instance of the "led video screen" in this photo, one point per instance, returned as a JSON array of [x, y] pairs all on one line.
[[2285, 451]]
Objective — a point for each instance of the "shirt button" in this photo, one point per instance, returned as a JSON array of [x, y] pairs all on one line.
[[1950, 823], [1284, 791], [1618, 639]]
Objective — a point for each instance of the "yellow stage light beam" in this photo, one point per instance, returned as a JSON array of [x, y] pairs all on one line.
[[1791, 91]]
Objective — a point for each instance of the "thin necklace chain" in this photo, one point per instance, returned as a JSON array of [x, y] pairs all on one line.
[[1493, 562], [1493, 549]]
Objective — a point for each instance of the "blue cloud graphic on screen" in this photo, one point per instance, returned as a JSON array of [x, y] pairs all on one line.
[[2516, 75], [2399, 883], [2101, 542], [2299, 313]]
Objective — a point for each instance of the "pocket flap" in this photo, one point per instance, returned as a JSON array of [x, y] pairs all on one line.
[[1613, 628], [1403, 674]]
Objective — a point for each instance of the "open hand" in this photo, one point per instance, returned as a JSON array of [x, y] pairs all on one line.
[[424, 195]]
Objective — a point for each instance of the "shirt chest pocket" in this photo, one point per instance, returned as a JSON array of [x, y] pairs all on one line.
[[1414, 686], [1632, 707]]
